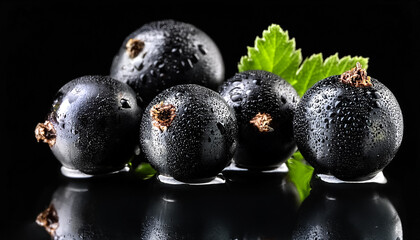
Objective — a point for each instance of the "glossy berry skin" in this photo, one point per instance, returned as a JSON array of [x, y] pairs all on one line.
[[95, 119], [200, 139], [254, 92], [169, 53], [349, 132]]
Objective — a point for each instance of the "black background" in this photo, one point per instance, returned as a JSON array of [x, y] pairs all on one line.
[[43, 46]]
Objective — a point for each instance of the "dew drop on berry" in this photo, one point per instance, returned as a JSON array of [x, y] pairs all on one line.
[[283, 99], [124, 103], [221, 128], [202, 49]]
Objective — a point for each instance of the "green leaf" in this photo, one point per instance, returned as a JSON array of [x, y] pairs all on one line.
[[309, 73], [300, 174], [274, 52], [145, 171], [315, 68]]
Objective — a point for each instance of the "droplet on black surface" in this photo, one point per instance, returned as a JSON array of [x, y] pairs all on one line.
[[236, 97], [283, 99], [124, 103], [202, 49], [221, 127]]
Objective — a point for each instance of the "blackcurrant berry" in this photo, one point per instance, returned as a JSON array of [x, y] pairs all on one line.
[[350, 126], [264, 105], [188, 132], [93, 125], [165, 53]]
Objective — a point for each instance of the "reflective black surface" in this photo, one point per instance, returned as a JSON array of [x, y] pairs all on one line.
[[249, 205], [347, 211]]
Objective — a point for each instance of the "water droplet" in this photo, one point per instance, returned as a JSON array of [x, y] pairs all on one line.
[[124, 103], [236, 97], [376, 95], [143, 78], [139, 66], [221, 128], [237, 84], [202, 49], [178, 95], [129, 67], [283, 99], [338, 104], [195, 58], [137, 150], [161, 66], [189, 63], [236, 94], [153, 73]]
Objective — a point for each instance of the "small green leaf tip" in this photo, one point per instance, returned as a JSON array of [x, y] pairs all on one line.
[[145, 171], [273, 52], [300, 174]]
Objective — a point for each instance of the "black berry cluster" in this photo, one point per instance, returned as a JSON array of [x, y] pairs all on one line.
[[195, 123]]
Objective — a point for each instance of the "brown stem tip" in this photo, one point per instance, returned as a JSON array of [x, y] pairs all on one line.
[[356, 77], [48, 219], [262, 121], [162, 115], [134, 47], [45, 132]]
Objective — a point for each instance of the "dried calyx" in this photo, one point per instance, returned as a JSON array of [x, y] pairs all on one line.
[[134, 47], [356, 77], [45, 132], [262, 121], [162, 115], [48, 219]]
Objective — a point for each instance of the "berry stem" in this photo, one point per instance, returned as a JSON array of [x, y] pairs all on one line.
[[162, 115], [356, 77], [134, 47], [45, 132], [262, 121]]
